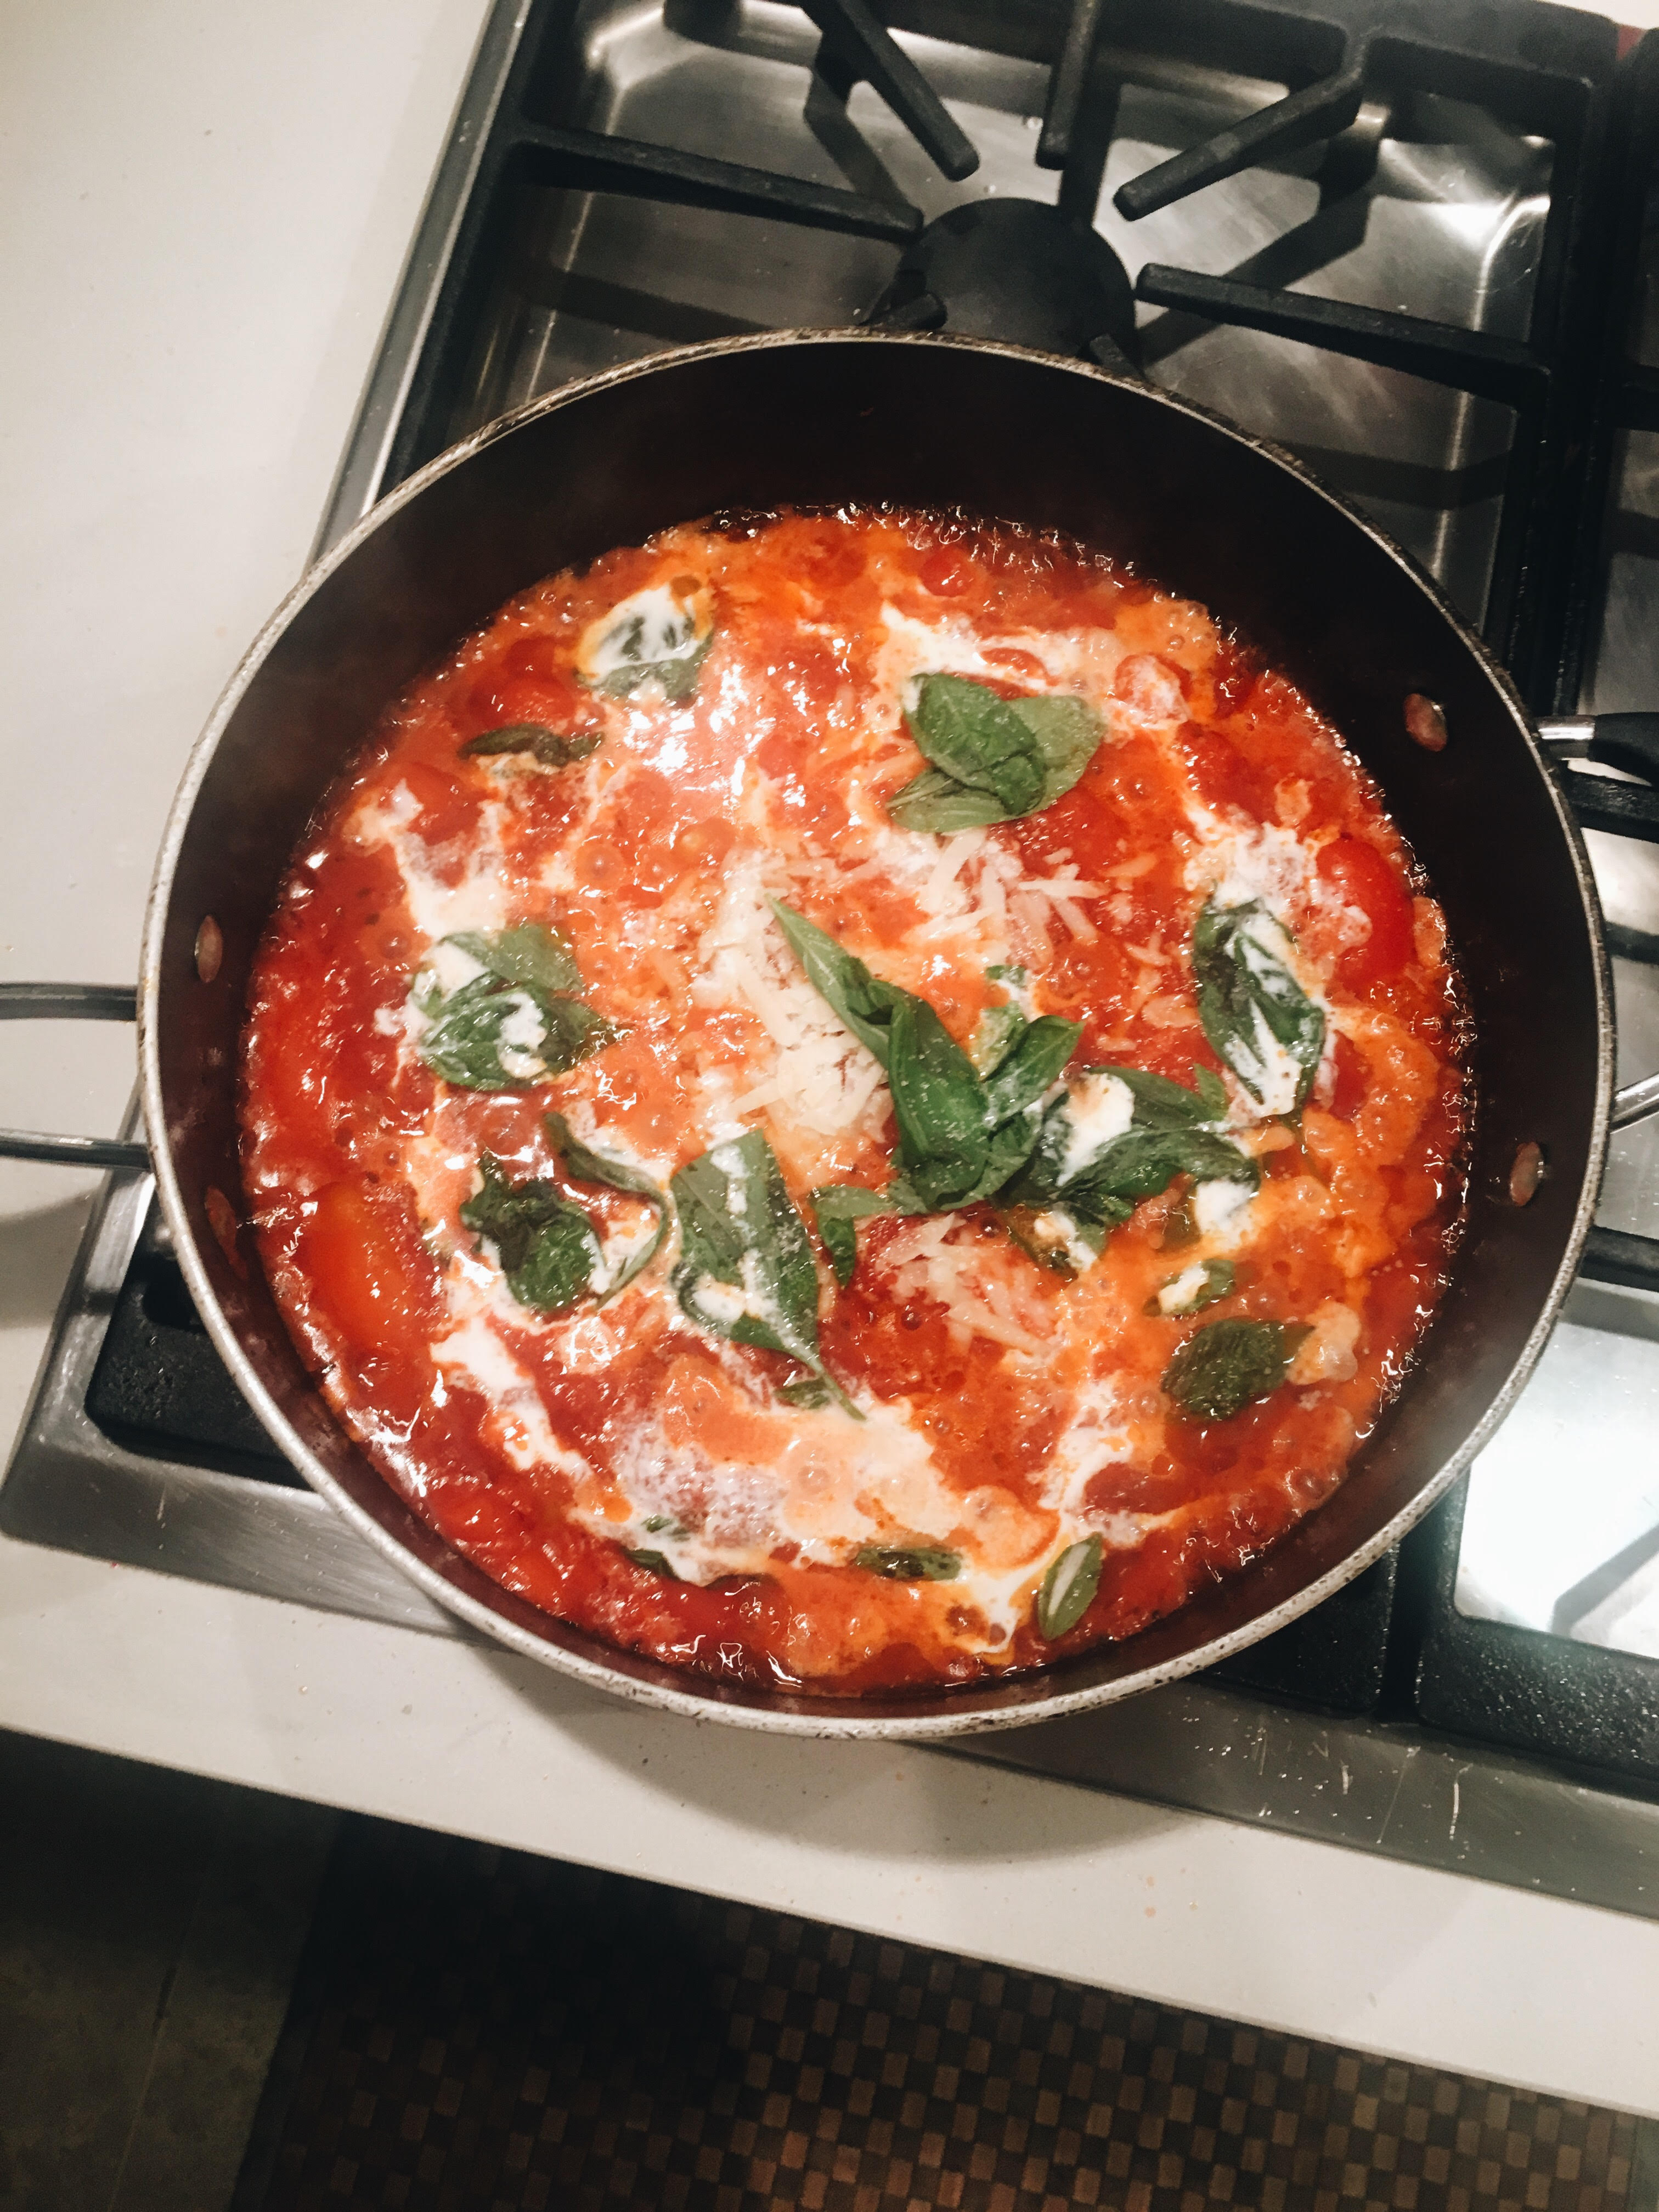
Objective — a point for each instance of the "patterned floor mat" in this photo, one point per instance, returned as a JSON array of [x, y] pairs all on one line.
[[474, 2028]]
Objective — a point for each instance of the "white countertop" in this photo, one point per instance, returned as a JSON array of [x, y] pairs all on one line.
[[207, 212]]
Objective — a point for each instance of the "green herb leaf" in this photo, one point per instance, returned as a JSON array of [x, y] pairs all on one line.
[[993, 759], [1040, 1052], [940, 1107], [836, 1207], [864, 1002], [645, 644], [657, 1563], [1143, 1162], [1068, 733], [582, 1165], [1229, 1364], [1180, 1225], [480, 1040], [998, 1031], [1050, 1237], [1162, 1104], [740, 1232], [915, 1563], [516, 1024], [811, 1390], [1166, 1138], [1068, 1588], [960, 1138], [663, 1524], [1009, 1150], [1218, 1277], [936, 805], [1212, 1093], [1253, 1009], [529, 954], [546, 1247], [976, 737], [547, 745]]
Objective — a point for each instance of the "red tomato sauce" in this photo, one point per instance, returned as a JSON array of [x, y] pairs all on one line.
[[1011, 1411]]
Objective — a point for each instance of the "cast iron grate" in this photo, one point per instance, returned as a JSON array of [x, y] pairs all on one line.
[[1542, 70]]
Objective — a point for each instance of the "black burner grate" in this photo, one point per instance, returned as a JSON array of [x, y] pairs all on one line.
[[1544, 71]]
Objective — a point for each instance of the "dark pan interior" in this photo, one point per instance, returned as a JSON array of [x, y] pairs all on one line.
[[923, 422]]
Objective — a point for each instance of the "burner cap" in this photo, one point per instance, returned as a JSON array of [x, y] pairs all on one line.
[[1020, 271]]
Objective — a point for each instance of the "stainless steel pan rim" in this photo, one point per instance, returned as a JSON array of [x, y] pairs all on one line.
[[960, 1712]]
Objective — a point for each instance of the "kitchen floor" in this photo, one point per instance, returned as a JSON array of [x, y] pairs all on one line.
[[212, 2001]]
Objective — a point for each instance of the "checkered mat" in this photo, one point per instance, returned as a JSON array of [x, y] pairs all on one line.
[[476, 2028]]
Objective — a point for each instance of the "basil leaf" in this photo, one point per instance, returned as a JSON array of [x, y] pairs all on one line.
[[935, 804], [582, 1165], [960, 1138], [1229, 1364], [1009, 1148], [1252, 1008], [1218, 1277], [548, 747], [1167, 1137], [739, 1230], [545, 1246], [996, 1033], [863, 1001], [1182, 1225], [1163, 1104], [1068, 1588], [1067, 731], [486, 1037], [1050, 1237], [1143, 1162], [529, 954], [806, 1390], [1040, 1052], [940, 1104], [652, 647], [995, 759], [656, 1562], [1212, 1093], [836, 1207], [976, 737], [914, 1563], [515, 1024]]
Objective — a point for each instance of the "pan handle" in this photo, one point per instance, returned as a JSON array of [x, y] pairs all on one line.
[[70, 1002], [1629, 741]]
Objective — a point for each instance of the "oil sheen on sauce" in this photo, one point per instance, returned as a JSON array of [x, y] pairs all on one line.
[[624, 1462]]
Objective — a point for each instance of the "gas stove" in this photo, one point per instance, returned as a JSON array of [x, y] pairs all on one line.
[[1411, 243]]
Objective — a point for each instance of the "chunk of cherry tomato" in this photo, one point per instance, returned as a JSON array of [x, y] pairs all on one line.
[[1362, 877]]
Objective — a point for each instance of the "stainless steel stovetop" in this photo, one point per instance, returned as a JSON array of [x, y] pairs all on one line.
[[1425, 205]]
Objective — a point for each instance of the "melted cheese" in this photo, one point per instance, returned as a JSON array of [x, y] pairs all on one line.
[[1099, 1109], [816, 1071]]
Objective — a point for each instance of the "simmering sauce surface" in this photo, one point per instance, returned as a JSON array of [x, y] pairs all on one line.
[[937, 863]]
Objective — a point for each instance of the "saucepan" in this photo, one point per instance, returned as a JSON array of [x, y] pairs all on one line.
[[820, 419]]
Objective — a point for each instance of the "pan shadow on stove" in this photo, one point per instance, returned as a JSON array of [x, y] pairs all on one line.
[[36, 1250]]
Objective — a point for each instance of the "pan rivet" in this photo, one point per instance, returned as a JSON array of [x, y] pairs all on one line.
[[1527, 1173], [1425, 723], [210, 949]]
